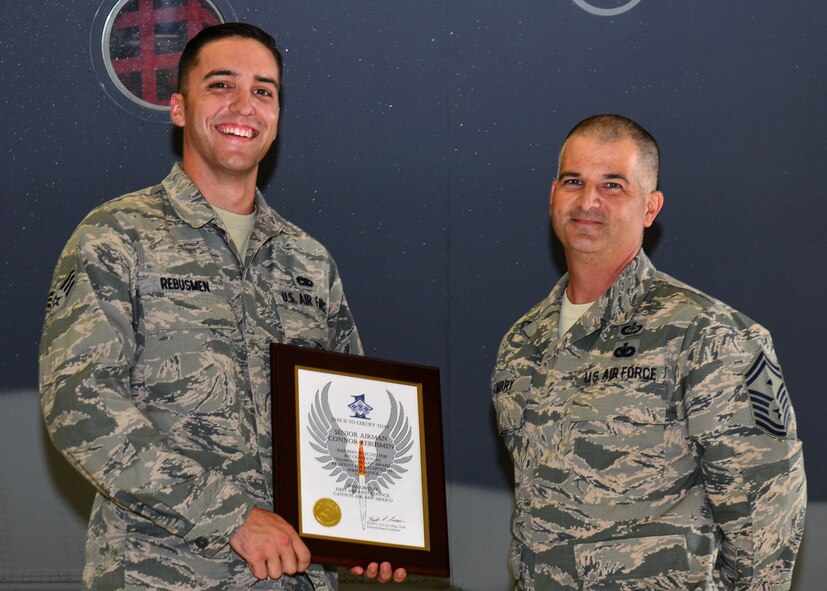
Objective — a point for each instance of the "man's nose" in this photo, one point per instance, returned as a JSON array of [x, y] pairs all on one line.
[[590, 196], [243, 102]]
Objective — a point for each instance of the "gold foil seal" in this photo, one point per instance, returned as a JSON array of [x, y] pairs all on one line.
[[327, 512]]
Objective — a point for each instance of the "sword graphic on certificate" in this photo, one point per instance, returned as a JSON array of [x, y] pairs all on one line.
[[363, 493]]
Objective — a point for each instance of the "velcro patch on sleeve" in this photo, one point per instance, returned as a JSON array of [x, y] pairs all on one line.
[[770, 403], [59, 295]]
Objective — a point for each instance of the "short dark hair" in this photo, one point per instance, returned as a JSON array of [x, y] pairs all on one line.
[[612, 128], [189, 57]]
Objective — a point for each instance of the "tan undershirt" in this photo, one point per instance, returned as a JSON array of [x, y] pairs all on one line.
[[569, 314], [239, 227]]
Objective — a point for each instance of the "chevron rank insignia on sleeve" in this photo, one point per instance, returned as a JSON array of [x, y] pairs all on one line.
[[771, 409], [59, 295]]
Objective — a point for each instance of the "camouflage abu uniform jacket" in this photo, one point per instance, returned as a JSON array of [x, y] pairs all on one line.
[[654, 445], [154, 378]]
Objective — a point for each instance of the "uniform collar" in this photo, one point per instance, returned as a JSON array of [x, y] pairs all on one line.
[[195, 210], [624, 296], [616, 306]]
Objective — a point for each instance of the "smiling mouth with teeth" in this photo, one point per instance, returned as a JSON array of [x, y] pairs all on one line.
[[238, 131]]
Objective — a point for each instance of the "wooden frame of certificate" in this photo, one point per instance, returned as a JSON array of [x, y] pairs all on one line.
[[358, 458]]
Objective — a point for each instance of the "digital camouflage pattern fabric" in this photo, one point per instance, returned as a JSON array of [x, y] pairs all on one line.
[[640, 462], [155, 378]]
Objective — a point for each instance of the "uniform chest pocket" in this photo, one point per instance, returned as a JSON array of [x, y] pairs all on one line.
[[182, 303], [188, 353], [618, 443], [165, 313], [303, 326]]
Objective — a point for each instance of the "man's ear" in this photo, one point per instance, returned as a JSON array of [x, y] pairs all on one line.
[[176, 109], [654, 202]]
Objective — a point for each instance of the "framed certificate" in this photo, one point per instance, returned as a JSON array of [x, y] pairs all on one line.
[[358, 456]]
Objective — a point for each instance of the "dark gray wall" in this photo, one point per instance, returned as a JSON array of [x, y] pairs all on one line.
[[418, 142]]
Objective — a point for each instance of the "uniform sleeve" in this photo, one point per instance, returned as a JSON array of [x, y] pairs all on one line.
[[511, 388], [742, 424], [344, 336], [86, 357]]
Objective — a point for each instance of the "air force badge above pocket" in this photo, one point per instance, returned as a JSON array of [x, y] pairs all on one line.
[[302, 312]]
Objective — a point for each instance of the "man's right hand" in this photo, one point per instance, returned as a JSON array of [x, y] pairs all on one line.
[[270, 546]]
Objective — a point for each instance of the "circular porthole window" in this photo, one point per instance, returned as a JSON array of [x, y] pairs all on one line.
[[607, 7], [135, 46]]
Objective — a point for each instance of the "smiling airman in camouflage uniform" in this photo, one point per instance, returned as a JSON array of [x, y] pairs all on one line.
[[654, 442], [155, 376], [154, 358]]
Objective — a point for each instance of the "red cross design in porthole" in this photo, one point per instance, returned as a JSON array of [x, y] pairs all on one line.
[[141, 42]]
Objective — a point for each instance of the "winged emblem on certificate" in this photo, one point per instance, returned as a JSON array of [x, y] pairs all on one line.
[[364, 474]]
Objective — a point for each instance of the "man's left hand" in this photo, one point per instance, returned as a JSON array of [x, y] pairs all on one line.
[[381, 572]]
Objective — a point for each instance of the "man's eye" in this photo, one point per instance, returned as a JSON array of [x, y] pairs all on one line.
[[613, 186], [263, 92], [218, 85]]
